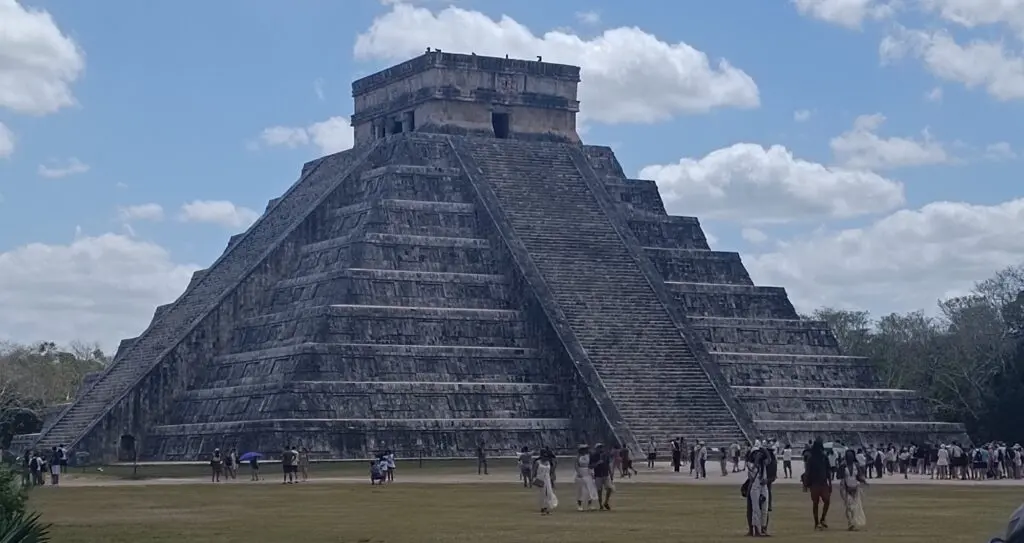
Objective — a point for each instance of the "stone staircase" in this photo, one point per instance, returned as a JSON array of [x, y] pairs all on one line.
[[200, 298], [648, 370]]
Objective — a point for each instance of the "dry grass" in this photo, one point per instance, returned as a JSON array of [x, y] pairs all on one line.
[[496, 513]]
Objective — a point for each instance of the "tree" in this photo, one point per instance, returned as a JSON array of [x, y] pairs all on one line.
[[851, 328]]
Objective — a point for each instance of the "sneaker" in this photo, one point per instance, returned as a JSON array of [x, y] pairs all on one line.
[[579, 508]]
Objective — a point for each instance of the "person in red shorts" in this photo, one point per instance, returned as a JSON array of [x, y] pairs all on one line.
[[817, 478]]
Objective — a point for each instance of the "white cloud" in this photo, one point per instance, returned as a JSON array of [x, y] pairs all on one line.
[[902, 262], [219, 212], [1000, 151], [848, 13], [862, 148], [753, 235], [100, 288], [588, 17], [141, 212], [985, 64], [801, 115], [56, 170], [629, 75], [975, 13], [330, 136], [6, 141], [934, 95], [751, 183], [38, 63]]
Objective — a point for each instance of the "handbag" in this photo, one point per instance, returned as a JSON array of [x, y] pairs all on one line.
[[538, 483], [745, 489]]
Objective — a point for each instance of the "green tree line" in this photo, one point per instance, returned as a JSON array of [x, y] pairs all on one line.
[[967, 359], [35, 376]]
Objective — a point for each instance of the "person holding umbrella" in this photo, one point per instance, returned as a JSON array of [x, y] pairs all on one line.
[[253, 458]]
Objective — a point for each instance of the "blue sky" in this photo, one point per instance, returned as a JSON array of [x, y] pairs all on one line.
[[214, 106]]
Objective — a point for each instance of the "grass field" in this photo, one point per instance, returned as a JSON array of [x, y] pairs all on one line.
[[497, 513]]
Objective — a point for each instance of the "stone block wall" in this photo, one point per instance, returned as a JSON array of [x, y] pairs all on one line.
[[789, 374]]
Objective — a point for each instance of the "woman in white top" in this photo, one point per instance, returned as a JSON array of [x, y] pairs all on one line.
[[787, 461], [942, 463], [542, 480], [586, 490]]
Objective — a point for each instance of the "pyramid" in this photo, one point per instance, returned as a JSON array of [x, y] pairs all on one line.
[[469, 273]]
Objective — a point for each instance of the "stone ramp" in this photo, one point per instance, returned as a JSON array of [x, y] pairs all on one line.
[[599, 291], [202, 296]]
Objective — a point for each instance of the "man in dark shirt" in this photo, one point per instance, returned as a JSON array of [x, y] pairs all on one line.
[[818, 479], [601, 463]]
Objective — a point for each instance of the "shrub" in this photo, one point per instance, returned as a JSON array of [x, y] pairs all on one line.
[[23, 528]]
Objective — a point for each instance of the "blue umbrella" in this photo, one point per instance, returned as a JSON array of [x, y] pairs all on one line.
[[249, 456]]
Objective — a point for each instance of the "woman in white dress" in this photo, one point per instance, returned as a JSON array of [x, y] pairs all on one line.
[[542, 480], [852, 483], [586, 490]]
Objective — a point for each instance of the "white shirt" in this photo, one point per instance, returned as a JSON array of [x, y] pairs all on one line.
[[787, 454]]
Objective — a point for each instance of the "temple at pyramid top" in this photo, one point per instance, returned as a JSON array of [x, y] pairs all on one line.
[[461, 94]]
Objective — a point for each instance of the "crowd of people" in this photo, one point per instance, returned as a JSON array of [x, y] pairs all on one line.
[[36, 465]]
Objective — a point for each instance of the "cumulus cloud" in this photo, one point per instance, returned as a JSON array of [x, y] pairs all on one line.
[[141, 212], [904, 261], [38, 63], [801, 115], [330, 136], [989, 65], [96, 288], [588, 17], [219, 212], [57, 170], [975, 13], [848, 13], [6, 141], [628, 75], [1000, 151], [751, 183], [862, 148], [934, 95]]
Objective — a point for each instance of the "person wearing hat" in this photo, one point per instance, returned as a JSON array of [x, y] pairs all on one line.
[[1014, 530], [585, 489], [755, 490]]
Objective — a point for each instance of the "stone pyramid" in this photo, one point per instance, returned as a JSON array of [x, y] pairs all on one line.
[[470, 273]]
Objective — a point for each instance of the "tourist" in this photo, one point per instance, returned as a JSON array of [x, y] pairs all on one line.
[[293, 455], [724, 461], [254, 468], [904, 462], [481, 459], [585, 490], [543, 480], [754, 489], [852, 483], [63, 453], [627, 464], [26, 470], [787, 461], [771, 470], [600, 464], [233, 456], [526, 467], [702, 460], [378, 471], [286, 465], [304, 464], [734, 451], [942, 463], [216, 465], [652, 453], [817, 479], [229, 465], [389, 456], [677, 455], [616, 460], [54, 466]]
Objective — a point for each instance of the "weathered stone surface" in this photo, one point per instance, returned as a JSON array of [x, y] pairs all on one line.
[[452, 281]]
